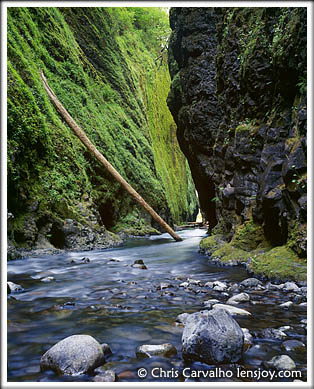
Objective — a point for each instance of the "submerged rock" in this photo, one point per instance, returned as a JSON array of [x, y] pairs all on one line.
[[139, 264], [75, 355], [149, 350], [212, 337]]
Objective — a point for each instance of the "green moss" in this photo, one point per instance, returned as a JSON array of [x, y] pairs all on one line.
[[101, 66], [280, 262], [211, 243], [229, 253], [249, 236]]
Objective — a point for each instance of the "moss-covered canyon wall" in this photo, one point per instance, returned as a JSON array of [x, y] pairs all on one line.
[[101, 63], [238, 96]]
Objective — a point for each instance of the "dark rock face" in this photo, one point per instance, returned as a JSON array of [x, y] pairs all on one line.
[[212, 337], [238, 98]]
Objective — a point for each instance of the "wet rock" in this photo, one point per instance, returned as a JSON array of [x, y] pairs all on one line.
[[126, 374], [271, 286], [233, 288], [13, 288], [106, 349], [250, 283], [139, 264], [164, 285], [220, 286], [238, 298], [286, 305], [291, 287], [75, 355], [47, 279], [85, 260], [114, 260], [194, 282], [231, 309], [293, 345], [303, 305], [271, 333], [149, 350], [209, 285], [105, 376], [212, 337], [281, 362], [211, 302], [248, 339], [304, 290], [184, 284], [284, 328]]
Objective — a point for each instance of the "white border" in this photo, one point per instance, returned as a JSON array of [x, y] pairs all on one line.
[[4, 6]]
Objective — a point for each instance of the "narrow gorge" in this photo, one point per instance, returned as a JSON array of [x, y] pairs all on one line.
[[200, 113]]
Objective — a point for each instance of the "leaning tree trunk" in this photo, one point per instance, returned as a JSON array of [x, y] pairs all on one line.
[[84, 139]]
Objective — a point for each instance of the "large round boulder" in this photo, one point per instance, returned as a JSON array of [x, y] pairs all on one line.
[[77, 354], [212, 337]]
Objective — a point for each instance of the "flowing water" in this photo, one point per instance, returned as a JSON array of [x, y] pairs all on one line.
[[123, 306]]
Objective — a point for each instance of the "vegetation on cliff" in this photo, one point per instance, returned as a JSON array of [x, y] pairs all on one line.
[[101, 64]]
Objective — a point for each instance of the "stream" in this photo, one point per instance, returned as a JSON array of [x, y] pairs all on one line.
[[125, 307]]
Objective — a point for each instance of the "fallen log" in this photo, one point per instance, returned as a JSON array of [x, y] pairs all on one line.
[[93, 150]]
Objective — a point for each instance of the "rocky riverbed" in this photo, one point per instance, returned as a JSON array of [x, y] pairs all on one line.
[[150, 305]]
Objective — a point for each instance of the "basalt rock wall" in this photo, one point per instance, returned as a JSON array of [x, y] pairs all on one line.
[[238, 96]]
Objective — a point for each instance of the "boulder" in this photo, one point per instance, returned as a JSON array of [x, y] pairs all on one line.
[[238, 298], [212, 337], [281, 362], [232, 310], [149, 350], [74, 355]]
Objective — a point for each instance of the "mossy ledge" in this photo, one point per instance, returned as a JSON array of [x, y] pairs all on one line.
[[250, 249]]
